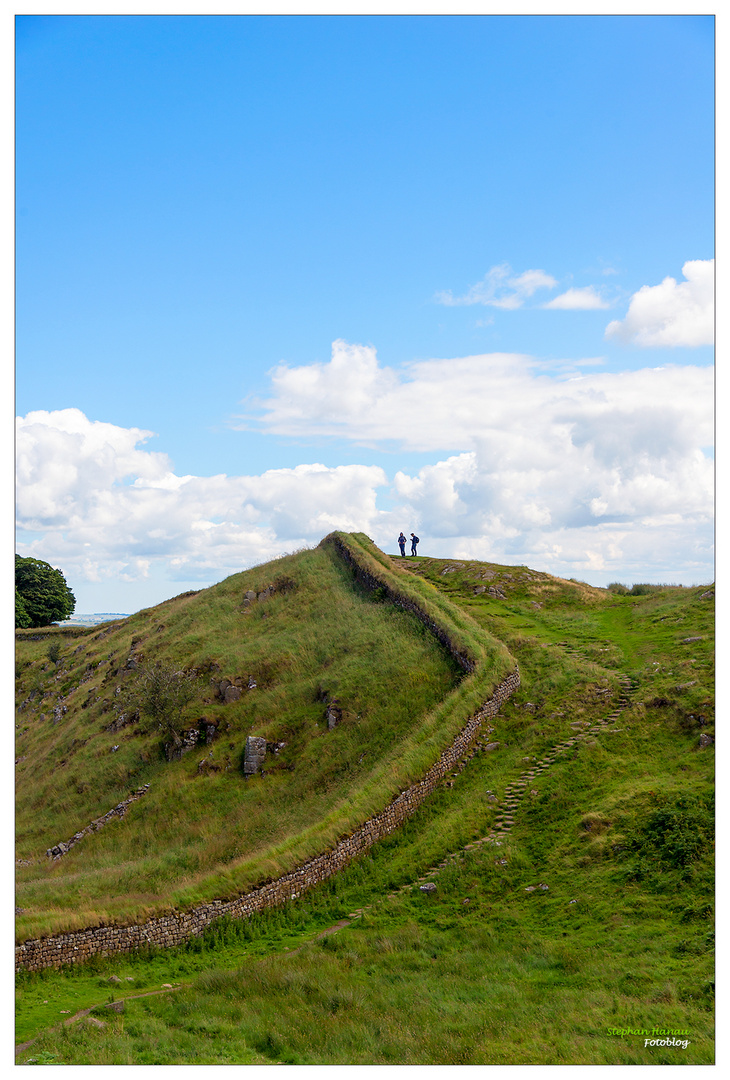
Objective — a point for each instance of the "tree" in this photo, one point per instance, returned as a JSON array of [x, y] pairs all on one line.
[[44, 596], [22, 618], [160, 694]]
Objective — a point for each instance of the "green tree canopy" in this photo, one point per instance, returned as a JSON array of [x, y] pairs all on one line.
[[22, 618], [43, 594]]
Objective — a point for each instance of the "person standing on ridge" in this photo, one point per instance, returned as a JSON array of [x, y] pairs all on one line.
[[402, 544], [414, 542]]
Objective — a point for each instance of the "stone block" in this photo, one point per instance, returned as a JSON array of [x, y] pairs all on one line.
[[254, 755]]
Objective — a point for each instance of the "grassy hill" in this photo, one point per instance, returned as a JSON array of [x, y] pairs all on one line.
[[600, 788], [304, 640]]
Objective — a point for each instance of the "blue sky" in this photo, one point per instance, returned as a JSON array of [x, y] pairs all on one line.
[[278, 275]]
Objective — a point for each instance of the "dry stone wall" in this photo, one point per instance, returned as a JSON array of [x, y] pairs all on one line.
[[117, 811], [370, 581], [170, 930]]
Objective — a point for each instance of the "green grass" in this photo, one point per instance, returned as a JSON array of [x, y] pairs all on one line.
[[619, 827], [203, 831]]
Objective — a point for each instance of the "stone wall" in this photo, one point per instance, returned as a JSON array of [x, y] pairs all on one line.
[[98, 823], [370, 581], [78, 945]]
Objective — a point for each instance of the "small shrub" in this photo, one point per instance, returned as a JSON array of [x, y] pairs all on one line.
[[160, 694]]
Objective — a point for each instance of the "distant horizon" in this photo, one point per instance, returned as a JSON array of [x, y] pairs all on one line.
[[277, 276]]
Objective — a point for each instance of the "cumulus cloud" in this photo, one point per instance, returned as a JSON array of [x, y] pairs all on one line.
[[533, 463], [99, 503], [598, 474], [671, 314], [585, 299], [500, 288], [455, 404]]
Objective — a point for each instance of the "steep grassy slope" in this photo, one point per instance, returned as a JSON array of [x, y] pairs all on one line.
[[310, 636], [600, 789]]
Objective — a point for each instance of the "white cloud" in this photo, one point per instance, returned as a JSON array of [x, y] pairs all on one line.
[[105, 508], [451, 405], [604, 473], [671, 314], [537, 462], [585, 299], [500, 288]]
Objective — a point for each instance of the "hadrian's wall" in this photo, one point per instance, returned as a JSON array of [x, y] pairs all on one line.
[[370, 581], [170, 930]]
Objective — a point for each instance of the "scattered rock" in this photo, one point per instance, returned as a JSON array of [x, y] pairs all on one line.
[[428, 887], [206, 765], [706, 740], [492, 746], [686, 640]]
